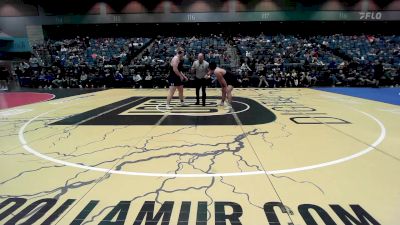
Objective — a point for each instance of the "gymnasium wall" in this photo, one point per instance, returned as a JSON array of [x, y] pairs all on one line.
[[16, 8], [16, 15], [20, 8]]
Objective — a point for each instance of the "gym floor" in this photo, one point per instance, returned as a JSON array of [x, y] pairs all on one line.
[[281, 156]]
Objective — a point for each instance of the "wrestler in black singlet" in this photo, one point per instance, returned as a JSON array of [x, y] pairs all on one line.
[[173, 79], [230, 78]]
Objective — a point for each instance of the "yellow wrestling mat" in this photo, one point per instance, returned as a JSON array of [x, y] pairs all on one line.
[[281, 156]]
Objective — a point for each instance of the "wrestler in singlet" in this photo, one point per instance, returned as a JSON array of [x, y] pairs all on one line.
[[173, 79]]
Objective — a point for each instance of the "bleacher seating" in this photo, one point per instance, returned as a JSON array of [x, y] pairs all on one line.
[[288, 60]]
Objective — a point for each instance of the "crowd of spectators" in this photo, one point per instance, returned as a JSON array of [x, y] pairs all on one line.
[[80, 62], [111, 62], [266, 61], [301, 61], [155, 60]]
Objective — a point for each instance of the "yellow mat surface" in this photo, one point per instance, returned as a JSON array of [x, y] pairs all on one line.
[[281, 156]]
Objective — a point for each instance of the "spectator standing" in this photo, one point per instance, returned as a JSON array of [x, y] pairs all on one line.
[[137, 80], [148, 80], [4, 79]]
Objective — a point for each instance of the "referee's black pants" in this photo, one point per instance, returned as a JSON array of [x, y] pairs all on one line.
[[201, 83]]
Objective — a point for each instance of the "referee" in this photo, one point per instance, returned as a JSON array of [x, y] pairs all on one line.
[[200, 67]]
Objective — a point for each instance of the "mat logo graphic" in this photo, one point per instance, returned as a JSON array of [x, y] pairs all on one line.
[[298, 113], [151, 111], [223, 211]]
